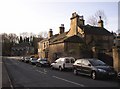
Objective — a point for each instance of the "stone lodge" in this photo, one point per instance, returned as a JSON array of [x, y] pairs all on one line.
[[80, 41]]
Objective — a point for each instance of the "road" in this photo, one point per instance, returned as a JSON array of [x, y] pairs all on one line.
[[26, 75]]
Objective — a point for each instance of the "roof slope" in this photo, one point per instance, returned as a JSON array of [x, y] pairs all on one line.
[[95, 30], [58, 38], [74, 39], [63, 38]]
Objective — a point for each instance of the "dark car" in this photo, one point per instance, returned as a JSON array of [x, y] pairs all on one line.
[[94, 68], [33, 60], [119, 76], [42, 62]]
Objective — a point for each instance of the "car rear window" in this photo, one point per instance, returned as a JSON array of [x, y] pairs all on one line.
[[72, 60], [67, 61]]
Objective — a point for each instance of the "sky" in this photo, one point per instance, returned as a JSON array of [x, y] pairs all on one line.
[[17, 16]]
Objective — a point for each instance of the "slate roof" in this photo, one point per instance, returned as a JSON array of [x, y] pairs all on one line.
[[46, 39], [63, 38], [74, 39], [95, 30], [58, 38], [23, 44]]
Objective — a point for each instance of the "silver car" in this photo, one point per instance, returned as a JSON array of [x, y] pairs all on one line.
[[26, 59]]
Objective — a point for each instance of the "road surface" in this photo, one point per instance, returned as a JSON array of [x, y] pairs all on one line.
[[27, 76]]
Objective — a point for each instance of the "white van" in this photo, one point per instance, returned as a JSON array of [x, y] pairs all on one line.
[[63, 63]]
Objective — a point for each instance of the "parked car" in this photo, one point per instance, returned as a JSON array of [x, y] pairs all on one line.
[[42, 62], [26, 59], [63, 63], [33, 60], [22, 59], [119, 76], [94, 68]]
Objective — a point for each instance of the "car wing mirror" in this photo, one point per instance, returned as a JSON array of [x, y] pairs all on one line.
[[89, 64], [55, 62]]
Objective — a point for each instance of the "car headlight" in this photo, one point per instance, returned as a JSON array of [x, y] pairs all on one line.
[[101, 70]]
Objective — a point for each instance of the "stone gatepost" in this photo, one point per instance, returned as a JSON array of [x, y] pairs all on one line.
[[116, 58], [95, 52]]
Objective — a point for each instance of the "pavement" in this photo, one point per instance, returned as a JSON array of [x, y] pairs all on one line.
[[0, 72], [5, 81]]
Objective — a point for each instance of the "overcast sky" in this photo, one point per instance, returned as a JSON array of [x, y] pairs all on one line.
[[17, 16]]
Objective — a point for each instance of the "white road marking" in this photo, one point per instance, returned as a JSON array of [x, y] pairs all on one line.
[[69, 81], [44, 70], [41, 72]]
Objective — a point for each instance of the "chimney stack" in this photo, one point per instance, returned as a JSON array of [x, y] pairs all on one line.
[[61, 29], [81, 20], [50, 34], [100, 22], [73, 25]]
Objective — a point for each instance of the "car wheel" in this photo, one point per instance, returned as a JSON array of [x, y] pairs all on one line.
[[36, 64], [60, 68], [75, 72], [52, 67], [40, 65], [93, 75]]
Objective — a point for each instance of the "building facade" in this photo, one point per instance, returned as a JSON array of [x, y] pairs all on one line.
[[78, 42]]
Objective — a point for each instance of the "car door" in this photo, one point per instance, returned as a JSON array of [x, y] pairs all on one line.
[[59, 62], [54, 64], [67, 62], [78, 65], [86, 68], [72, 60]]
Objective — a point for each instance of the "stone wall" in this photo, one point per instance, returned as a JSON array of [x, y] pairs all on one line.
[[116, 58], [72, 49], [55, 50]]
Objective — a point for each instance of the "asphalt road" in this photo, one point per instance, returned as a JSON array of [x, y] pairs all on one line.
[[26, 75]]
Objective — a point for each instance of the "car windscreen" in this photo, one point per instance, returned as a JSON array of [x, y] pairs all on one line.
[[43, 59], [97, 63], [34, 58]]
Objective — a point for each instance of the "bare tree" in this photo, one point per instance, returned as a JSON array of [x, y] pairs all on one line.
[[42, 34], [45, 34], [93, 20], [8, 40], [24, 34], [13, 38]]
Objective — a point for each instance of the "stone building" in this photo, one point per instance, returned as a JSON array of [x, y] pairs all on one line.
[[117, 40], [78, 42], [92, 35]]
